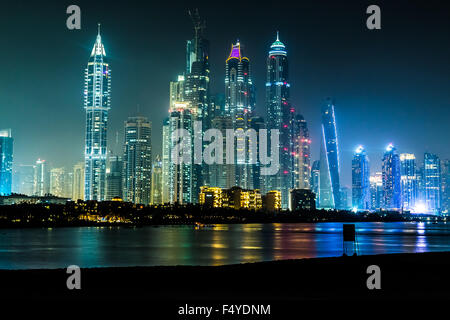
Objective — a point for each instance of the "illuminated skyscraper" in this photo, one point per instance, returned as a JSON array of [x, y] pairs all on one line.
[[408, 181], [446, 186], [157, 181], [222, 175], [279, 117], [57, 182], [360, 180], [181, 119], [329, 192], [78, 182], [239, 104], [97, 102], [165, 161], [6, 162], [302, 153], [376, 191], [41, 178], [114, 178], [315, 179], [391, 179], [137, 160], [432, 182]]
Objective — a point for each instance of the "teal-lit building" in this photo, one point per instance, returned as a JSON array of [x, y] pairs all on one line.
[[97, 102], [6, 162]]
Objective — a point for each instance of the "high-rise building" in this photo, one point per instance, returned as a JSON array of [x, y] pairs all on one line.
[[257, 181], [239, 104], [97, 102], [329, 192], [114, 178], [302, 153], [408, 181], [432, 182], [445, 186], [360, 180], [23, 179], [157, 181], [137, 160], [222, 175], [166, 140], [181, 187], [376, 191], [6, 162], [78, 182], [176, 91], [279, 117], [315, 179], [391, 179], [41, 178], [57, 182]]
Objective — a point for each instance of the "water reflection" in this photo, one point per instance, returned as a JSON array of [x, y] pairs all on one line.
[[221, 244]]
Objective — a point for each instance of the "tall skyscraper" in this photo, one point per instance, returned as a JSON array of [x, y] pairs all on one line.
[[279, 117], [196, 92], [432, 182], [391, 179], [181, 187], [360, 180], [315, 179], [376, 191], [41, 178], [97, 102], [446, 186], [137, 160], [166, 161], [239, 104], [157, 181], [408, 181], [222, 175], [329, 192], [114, 178], [6, 162], [302, 153], [257, 181], [57, 182], [78, 182]]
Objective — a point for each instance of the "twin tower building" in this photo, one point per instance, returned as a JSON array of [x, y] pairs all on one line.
[[194, 108]]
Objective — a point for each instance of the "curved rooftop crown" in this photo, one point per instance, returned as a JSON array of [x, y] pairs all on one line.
[[235, 52], [278, 47], [98, 48]]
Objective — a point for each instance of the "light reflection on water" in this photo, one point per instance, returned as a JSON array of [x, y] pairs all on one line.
[[218, 245]]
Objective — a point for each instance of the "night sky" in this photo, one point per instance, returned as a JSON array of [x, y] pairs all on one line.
[[390, 85]]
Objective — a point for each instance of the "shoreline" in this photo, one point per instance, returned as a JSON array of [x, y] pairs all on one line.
[[403, 276]]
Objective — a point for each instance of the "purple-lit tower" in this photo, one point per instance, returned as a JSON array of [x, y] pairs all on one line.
[[239, 103]]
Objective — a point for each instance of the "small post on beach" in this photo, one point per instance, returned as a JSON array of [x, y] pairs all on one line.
[[349, 233]]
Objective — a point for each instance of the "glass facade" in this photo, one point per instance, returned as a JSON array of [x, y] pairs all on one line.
[[391, 179], [97, 102], [6, 162], [361, 199], [329, 192], [408, 181], [432, 182], [280, 116]]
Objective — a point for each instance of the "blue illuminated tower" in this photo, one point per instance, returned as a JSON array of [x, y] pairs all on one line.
[[408, 181], [97, 102], [280, 117], [432, 182], [391, 179], [6, 161], [329, 192], [361, 199]]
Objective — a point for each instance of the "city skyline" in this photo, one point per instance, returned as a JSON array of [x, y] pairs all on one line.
[[341, 109]]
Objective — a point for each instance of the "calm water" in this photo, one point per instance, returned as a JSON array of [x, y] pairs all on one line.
[[223, 244]]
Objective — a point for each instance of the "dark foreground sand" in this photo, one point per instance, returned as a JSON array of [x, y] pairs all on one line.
[[403, 276]]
